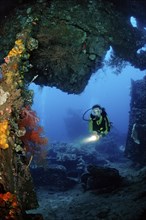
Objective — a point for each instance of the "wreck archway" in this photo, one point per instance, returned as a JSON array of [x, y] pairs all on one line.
[[105, 87]]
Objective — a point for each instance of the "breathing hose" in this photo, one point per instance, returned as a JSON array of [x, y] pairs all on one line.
[[83, 117]]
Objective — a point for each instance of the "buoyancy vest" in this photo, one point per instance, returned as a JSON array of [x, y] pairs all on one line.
[[100, 124]]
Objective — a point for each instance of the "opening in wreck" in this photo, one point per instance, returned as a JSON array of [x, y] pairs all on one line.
[[61, 113]]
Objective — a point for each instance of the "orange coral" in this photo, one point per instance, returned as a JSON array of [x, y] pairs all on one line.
[[3, 134], [17, 50], [12, 208], [12, 81]]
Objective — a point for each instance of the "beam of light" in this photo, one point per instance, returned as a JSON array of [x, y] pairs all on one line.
[[92, 138]]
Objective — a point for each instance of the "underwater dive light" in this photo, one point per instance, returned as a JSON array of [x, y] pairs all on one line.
[[92, 138]]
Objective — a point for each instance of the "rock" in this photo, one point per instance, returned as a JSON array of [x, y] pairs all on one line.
[[72, 39], [136, 139], [55, 177], [100, 177], [33, 216]]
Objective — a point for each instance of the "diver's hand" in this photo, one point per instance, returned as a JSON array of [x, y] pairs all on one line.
[[98, 136], [94, 133]]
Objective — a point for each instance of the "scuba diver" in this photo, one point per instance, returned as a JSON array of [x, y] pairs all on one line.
[[98, 123]]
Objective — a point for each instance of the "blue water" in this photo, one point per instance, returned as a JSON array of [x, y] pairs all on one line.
[[111, 91]]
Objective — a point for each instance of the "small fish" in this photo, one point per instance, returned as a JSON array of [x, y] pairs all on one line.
[[122, 148], [34, 78], [134, 134]]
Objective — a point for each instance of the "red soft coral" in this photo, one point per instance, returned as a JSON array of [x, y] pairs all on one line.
[[28, 118], [33, 138], [36, 136]]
